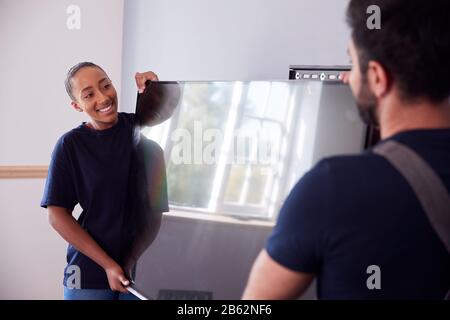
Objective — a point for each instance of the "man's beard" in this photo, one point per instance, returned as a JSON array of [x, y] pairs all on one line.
[[366, 103]]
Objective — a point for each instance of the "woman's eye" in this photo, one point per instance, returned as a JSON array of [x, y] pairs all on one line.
[[107, 86], [88, 96]]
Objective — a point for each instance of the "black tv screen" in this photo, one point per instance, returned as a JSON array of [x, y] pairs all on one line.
[[233, 151]]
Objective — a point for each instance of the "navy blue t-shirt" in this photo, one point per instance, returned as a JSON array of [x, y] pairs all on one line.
[[352, 212], [103, 172]]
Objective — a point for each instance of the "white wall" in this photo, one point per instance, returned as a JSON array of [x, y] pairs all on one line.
[[37, 49], [229, 39]]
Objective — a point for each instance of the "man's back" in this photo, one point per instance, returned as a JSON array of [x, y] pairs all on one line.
[[353, 212]]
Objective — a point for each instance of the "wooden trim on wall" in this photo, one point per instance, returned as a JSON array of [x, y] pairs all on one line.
[[23, 172]]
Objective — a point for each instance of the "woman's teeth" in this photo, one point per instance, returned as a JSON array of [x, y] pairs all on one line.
[[106, 109]]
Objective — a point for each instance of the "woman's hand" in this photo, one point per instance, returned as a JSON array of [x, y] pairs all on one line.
[[65, 224], [116, 278], [141, 78]]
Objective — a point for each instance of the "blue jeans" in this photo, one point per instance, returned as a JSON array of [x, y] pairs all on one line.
[[96, 294]]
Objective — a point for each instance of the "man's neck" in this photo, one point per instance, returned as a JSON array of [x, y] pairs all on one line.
[[396, 116]]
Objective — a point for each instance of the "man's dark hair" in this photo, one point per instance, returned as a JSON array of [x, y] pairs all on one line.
[[413, 44], [71, 73]]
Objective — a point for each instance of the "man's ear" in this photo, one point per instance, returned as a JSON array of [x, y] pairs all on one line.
[[378, 79], [76, 106]]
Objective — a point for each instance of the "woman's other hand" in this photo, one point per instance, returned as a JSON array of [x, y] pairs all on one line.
[[141, 78], [116, 278]]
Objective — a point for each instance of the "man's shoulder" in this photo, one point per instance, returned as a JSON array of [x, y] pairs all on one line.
[[334, 179], [347, 167]]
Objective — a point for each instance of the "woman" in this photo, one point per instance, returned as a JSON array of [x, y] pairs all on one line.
[[94, 165]]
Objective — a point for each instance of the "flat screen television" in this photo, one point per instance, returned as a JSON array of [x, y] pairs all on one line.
[[233, 151]]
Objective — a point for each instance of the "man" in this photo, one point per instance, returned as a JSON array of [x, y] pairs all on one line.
[[353, 222]]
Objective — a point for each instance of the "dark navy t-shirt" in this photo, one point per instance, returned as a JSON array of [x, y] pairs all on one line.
[[103, 172], [352, 212]]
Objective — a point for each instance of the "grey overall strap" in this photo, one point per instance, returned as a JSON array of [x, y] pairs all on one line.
[[428, 187]]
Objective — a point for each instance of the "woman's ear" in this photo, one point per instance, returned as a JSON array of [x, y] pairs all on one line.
[[76, 106], [378, 79]]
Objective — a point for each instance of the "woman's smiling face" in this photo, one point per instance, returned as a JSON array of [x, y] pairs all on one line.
[[95, 94]]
